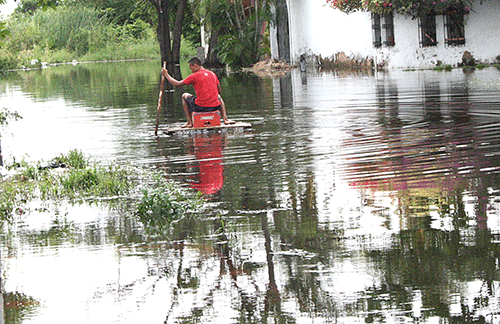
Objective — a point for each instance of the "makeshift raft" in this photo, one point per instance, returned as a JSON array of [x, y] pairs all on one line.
[[237, 127], [206, 122]]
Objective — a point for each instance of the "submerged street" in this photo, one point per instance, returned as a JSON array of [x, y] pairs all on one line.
[[356, 198]]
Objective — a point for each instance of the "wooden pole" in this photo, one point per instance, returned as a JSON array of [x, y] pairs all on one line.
[[160, 100]]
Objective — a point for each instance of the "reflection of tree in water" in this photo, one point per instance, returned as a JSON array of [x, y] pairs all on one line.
[[17, 307], [252, 304], [299, 230], [419, 272], [14, 306], [435, 263], [434, 168]]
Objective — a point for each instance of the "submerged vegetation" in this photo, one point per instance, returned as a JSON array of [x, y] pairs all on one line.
[[74, 178]]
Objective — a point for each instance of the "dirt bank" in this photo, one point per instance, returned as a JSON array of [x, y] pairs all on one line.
[[270, 68]]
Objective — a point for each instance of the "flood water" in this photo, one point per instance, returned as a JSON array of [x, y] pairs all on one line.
[[356, 198]]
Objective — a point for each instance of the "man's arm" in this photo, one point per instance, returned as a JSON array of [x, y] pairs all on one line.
[[169, 78]]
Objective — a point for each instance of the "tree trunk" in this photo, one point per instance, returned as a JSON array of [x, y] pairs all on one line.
[[213, 60], [177, 32], [170, 45], [283, 30]]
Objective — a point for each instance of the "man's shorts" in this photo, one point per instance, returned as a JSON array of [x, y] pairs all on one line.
[[195, 108]]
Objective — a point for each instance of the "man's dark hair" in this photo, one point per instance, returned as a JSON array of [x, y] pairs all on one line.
[[194, 60]]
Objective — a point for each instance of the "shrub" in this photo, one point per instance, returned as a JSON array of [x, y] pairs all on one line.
[[165, 205], [446, 67], [75, 159], [68, 27], [84, 181]]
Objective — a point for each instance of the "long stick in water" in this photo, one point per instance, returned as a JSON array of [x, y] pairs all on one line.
[[160, 100]]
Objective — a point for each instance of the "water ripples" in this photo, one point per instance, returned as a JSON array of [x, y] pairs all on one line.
[[354, 198]]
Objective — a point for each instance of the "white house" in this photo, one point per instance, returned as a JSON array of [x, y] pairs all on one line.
[[397, 41]]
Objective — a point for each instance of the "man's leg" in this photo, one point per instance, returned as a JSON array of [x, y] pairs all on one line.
[[223, 112], [185, 107]]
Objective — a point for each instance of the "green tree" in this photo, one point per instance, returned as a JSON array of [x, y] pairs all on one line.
[[3, 31], [173, 19], [39, 3], [169, 31], [237, 30], [27, 7]]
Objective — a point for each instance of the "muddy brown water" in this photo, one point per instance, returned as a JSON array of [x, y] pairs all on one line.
[[357, 197]]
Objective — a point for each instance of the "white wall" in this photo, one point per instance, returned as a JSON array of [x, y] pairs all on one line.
[[482, 27], [482, 31], [320, 30]]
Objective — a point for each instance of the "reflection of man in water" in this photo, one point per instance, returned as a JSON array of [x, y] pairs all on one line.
[[208, 153], [207, 88]]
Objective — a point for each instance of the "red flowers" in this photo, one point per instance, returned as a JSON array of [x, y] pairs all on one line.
[[414, 8]]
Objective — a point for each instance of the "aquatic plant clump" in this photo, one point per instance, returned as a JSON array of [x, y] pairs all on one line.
[[69, 177], [74, 178], [165, 205]]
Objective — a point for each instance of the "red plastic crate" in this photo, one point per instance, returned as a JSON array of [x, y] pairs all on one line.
[[206, 119]]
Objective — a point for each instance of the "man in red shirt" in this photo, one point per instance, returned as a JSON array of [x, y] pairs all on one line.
[[207, 88]]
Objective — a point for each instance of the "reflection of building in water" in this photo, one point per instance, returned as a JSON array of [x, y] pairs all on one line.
[[410, 179], [408, 144], [208, 152], [431, 160]]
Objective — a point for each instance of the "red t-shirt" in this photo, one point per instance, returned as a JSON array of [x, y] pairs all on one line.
[[205, 85]]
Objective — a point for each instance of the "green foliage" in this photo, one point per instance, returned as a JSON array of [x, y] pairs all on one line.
[[239, 51], [413, 8], [74, 159], [21, 307], [191, 27], [241, 28], [119, 12], [6, 115], [164, 206], [446, 67], [48, 4], [4, 32], [84, 181], [66, 27], [7, 63], [27, 7], [95, 181], [138, 29], [73, 32], [147, 49]]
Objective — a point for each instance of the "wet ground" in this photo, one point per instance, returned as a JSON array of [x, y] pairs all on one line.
[[357, 197]]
